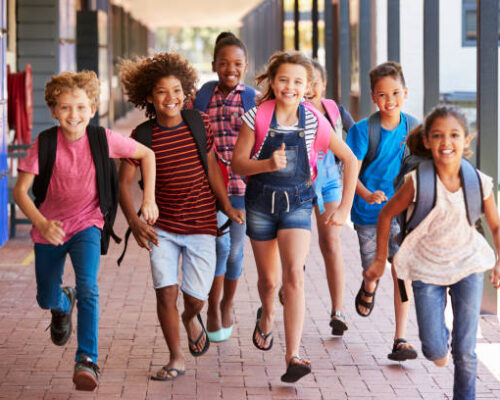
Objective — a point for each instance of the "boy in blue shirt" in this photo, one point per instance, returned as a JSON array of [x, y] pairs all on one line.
[[375, 186]]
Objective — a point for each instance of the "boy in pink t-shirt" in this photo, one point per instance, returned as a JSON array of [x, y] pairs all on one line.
[[69, 220]]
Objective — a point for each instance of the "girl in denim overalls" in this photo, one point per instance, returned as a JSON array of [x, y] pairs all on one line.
[[278, 198]]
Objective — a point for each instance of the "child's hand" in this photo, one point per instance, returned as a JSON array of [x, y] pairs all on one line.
[[144, 233], [376, 197], [235, 215], [149, 211], [278, 159], [495, 275], [375, 271], [338, 217], [52, 232]]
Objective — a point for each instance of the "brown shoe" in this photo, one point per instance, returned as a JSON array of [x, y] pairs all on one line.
[[86, 374]]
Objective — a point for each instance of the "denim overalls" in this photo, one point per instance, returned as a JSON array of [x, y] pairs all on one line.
[[281, 199]]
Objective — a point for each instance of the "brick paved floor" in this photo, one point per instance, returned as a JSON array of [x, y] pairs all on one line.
[[131, 344]]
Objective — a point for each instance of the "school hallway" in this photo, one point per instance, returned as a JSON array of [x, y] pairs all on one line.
[[132, 347]]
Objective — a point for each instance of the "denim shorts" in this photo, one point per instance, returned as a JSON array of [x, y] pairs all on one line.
[[331, 192], [367, 237], [198, 262], [265, 226]]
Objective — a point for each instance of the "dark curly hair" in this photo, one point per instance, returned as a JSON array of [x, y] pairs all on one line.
[[139, 77], [276, 60]]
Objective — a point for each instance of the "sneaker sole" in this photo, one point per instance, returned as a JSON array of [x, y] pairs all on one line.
[[84, 381]]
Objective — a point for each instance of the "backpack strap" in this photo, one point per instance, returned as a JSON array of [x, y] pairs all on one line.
[[100, 154], [333, 113], [194, 121], [248, 98], [263, 119], [47, 148], [373, 140], [204, 95], [107, 185], [426, 193], [144, 132], [473, 191]]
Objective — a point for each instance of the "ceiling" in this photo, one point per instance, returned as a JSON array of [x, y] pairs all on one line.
[[172, 13]]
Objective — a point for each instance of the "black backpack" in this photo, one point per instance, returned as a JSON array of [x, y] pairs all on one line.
[[144, 135], [106, 176]]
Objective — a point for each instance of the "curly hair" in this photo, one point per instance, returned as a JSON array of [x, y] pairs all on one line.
[[69, 81], [415, 138], [140, 76], [276, 60], [389, 68]]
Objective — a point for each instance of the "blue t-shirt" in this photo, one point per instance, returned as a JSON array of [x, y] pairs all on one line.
[[382, 171]]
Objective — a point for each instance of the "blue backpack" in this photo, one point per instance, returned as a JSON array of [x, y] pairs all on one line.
[[205, 94]]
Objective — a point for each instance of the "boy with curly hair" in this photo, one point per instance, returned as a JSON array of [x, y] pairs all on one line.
[[186, 193], [69, 220]]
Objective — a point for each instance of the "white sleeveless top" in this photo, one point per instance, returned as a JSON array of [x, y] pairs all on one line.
[[444, 248]]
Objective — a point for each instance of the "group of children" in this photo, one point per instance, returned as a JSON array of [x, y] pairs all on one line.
[[283, 154]]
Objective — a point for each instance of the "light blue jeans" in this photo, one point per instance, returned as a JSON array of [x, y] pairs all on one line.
[[84, 249], [230, 246], [430, 302]]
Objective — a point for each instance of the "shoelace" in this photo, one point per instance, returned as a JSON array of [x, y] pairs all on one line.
[[57, 318]]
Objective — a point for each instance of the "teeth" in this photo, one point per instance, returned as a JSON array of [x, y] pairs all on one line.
[[171, 105], [446, 152]]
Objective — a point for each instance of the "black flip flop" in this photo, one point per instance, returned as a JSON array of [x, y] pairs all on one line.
[[295, 371], [261, 334], [203, 332], [168, 378]]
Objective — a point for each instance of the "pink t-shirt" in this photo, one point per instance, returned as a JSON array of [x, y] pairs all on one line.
[[72, 196]]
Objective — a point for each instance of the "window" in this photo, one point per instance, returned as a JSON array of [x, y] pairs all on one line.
[[469, 20]]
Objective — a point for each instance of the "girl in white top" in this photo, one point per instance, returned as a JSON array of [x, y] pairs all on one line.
[[444, 252]]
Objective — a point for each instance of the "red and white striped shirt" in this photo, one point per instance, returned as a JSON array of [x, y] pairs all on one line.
[[183, 194]]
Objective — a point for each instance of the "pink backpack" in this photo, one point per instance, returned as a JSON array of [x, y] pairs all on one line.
[[321, 141], [333, 113]]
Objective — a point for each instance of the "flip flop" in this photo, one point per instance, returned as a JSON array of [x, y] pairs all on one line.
[[295, 371], [338, 323], [262, 334], [360, 302], [168, 378], [195, 353]]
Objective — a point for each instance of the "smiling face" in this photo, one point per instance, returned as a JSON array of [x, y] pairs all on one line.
[[289, 84], [73, 111], [446, 140], [230, 65], [168, 100], [317, 88], [389, 95]]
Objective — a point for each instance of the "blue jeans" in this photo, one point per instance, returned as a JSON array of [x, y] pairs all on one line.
[[84, 249], [430, 302], [230, 246]]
